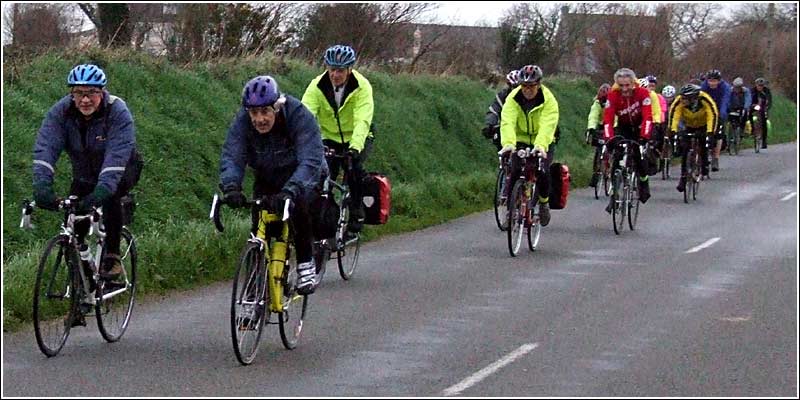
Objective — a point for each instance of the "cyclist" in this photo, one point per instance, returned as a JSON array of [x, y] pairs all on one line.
[[720, 91], [96, 129], [762, 97], [341, 100], [669, 96], [631, 105], [696, 109], [491, 130], [279, 139], [529, 118], [740, 101], [594, 125], [659, 108]]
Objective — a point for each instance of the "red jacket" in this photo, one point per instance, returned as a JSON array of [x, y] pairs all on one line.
[[634, 110]]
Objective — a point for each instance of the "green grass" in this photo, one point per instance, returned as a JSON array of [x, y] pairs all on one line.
[[428, 143]]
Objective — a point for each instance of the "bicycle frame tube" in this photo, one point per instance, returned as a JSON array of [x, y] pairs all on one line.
[[276, 257]]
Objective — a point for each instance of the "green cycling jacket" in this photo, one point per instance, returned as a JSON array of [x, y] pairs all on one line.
[[355, 114], [536, 127]]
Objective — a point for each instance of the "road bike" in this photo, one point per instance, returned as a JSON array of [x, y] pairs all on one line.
[[523, 204]]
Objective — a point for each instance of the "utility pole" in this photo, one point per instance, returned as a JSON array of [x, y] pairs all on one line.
[[770, 35]]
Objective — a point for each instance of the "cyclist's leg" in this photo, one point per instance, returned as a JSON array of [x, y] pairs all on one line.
[[354, 180], [683, 146], [112, 220], [333, 163], [704, 149], [303, 238], [640, 165], [543, 188], [81, 189], [763, 129]]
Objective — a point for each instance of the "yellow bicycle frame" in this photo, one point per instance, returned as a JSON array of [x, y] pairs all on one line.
[[276, 260]]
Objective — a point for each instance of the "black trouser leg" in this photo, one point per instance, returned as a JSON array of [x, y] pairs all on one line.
[[543, 176], [763, 130]]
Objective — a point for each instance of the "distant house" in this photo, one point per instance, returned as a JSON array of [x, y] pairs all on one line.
[[592, 34]]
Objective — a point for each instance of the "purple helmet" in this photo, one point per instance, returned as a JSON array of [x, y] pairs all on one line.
[[261, 91]]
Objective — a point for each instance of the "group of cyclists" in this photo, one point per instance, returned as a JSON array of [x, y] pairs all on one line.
[[631, 109], [282, 139]]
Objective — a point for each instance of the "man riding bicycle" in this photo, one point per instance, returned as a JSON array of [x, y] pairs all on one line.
[[762, 97], [697, 111], [594, 125], [740, 102], [491, 129], [341, 100], [276, 136], [529, 119], [720, 91], [96, 130], [631, 106]]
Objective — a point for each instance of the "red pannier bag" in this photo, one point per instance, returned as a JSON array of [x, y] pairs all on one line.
[[377, 198], [559, 185]]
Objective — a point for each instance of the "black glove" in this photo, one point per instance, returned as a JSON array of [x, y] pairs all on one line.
[[354, 154], [487, 132], [44, 196], [277, 201], [234, 198], [94, 199], [590, 134]]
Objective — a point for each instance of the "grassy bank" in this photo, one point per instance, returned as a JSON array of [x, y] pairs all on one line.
[[428, 142]]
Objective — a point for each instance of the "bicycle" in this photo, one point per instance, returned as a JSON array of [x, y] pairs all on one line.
[[625, 186], [523, 208], [736, 121], [666, 157], [346, 245], [500, 200], [756, 127], [694, 162], [68, 285], [601, 166], [264, 282]]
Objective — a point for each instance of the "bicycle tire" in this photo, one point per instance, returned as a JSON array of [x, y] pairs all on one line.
[[61, 275], [737, 138], [606, 175], [499, 216], [535, 228], [347, 247], [633, 202], [617, 204], [597, 171], [249, 282], [112, 323], [290, 320], [516, 217]]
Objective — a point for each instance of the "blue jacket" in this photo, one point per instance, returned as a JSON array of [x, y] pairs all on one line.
[[721, 96], [289, 157], [98, 157], [744, 101]]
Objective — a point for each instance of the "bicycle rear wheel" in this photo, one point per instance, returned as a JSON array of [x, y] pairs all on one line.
[[517, 207], [248, 303], [633, 200], [500, 204], [618, 202], [114, 313], [290, 320], [535, 228], [737, 138], [55, 295]]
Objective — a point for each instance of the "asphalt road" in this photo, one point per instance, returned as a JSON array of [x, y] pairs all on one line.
[[664, 310]]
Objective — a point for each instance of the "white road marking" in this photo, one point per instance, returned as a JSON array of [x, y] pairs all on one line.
[[708, 243], [789, 196], [492, 368]]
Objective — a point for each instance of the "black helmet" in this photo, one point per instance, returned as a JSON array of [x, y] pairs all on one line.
[[714, 74], [690, 91]]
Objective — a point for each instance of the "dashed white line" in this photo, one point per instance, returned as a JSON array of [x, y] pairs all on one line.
[[789, 196], [707, 243], [492, 368]]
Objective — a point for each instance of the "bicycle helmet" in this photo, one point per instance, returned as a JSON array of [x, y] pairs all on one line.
[[738, 82], [668, 91], [513, 78], [602, 92], [651, 78], [643, 82], [690, 91], [260, 91], [340, 56], [761, 81], [86, 75], [714, 74], [530, 74]]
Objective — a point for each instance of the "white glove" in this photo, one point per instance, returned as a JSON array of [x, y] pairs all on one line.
[[541, 151], [506, 149]]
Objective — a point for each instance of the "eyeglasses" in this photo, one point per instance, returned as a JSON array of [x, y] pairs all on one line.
[[261, 110], [80, 94], [529, 85]]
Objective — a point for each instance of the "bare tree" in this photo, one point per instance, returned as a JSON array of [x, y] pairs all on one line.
[[38, 26], [691, 23]]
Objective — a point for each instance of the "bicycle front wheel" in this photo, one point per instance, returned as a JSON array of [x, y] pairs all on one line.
[[618, 202], [517, 209], [248, 303], [348, 246], [114, 309], [535, 228], [290, 320], [55, 295], [737, 138], [633, 202], [500, 204]]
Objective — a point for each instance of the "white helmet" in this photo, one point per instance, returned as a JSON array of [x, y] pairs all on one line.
[[643, 82], [668, 91]]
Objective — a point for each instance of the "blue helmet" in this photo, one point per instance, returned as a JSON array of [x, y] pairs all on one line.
[[260, 91], [340, 56], [86, 75]]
